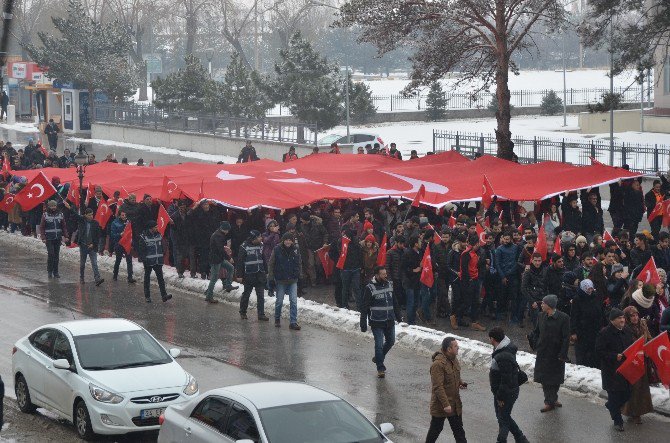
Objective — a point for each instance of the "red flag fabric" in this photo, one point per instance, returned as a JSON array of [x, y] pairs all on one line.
[[381, 255], [607, 236], [343, 253], [481, 233], [427, 277], [520, 228], [73, 195], [6, 168], [163, 219], [103, 214], [151, 164], [633, 368], [452, 222], [487, 193], [666, 213], [658, 350], [43, 149], [656, 212], [170, 190], [326, 262], [201, 194], [541, 244], [557, 246], [90, 192], [436, 238], [126, 240], [7, 202], [35, 192], [421, 193], [649, 274]]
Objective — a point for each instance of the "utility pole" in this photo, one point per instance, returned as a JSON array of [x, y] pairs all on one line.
[[565, 109], [7, 16], [346, 100], [611, 91], [257, 61], [642, 100]]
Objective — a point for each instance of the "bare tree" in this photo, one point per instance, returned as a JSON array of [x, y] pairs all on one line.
[[190, 11], [30, 14]]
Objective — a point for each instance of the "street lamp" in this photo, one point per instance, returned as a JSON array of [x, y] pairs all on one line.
[[81, 160], [209, 54]]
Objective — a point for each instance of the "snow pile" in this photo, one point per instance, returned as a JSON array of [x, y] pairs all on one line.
[[417, 338], [20, 127]]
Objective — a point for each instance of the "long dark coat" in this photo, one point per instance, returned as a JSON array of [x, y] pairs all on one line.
[[552, 348], [611, 342]]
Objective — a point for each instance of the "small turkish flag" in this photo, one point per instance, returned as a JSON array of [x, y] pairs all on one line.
[[487, 193], [73, 195], [7, 202], [481, 233], [595, 162], [381, 255], [649, 274], [201, 194], [656, 212], [452, 221], [419, 195], [162, 220], [38, 190], [658, 350], [541, 245], [103, 214], [343, 253], [520, 228], [326, 262], [632, 369], [427, 277], [170, 190], [126, 240], [557, 246], [6, 167], [43, 150], [666, 213], [90, 192], [151, 164], [607, 236]]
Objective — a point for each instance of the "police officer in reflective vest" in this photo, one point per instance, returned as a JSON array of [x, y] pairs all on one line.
[[53, 230], [252, 272], [150, 253], [381, 310]]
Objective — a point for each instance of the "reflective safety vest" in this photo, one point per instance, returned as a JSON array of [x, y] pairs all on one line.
[[381, 305], [53, 225], [253, 262], [154, 249]]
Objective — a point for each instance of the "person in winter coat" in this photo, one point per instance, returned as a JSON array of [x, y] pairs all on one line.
[[411, 265], [51, 131], [251, 270], [651, 199], [571, 258], [452, 278], [611, 343], [289, 156], [88, 232], [180, 234], [219, 258], [394, 268], [314, 236], [641, 252], [504, 380], [370, 249], [380, 311], [569, 288], [640, 398], [644, 300], [586, 321], [572, 216], [617, 285], [53, 230], [592, 217], [445, 400], [533, 287], [284, 270], [506, 256], [633, 205], [440, 257], [553, 275], [553, 340], [350, 274], [247, 154], [204, 222], [616, 208], [470, 266], [271, 238], [116, 231], [150, 253]]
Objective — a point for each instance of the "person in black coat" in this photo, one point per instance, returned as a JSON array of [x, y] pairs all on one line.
[[51, 131], [88, 233], [616, 208], [572, 216], [633, 204], [553, 340], [504, 380], [592, 218], [350, 274], [218, 258], [611, 343], [586, 320], [411, 265], [651, 199]]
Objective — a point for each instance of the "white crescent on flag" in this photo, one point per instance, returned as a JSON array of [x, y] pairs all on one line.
[[647, 277], [103, 209], [40, 187], [661, 349], [162, 220], [171, 190], [10, 199]]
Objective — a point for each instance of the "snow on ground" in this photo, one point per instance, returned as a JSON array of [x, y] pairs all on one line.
[[20, 127], [422, 340]]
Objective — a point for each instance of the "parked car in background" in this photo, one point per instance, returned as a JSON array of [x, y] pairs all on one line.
[[271, 412], [350, 143], [107, 376]]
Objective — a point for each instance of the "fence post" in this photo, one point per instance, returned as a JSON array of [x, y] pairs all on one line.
[[535, 149], [279, 131], [458, 146], [391, 100], [593, 150], [623, 154], [433, 141], [481, 144], [656, 158], [563, 150], [263, 129]]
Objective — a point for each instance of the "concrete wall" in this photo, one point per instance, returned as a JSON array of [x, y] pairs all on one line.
[[628, 120], [193, 142]]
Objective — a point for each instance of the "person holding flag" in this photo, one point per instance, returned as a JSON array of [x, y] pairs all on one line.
[[653, 201], [53, 230], [350, 263], [470, 265], [640, 396], [117, 229], [611, 343], [411, 266]]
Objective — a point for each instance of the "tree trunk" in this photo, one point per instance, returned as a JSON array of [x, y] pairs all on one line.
[[503, 114], [139, 31], [191, 32]]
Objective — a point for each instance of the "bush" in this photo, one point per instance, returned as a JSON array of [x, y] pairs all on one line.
[[551, 104], [436, 103], [609, 101], [361, 106]]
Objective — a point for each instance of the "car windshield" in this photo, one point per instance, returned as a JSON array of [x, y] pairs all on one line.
[[118, 350], [328, 139], [333, 421]]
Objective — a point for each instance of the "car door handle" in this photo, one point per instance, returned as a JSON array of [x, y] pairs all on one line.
[[187, 429]]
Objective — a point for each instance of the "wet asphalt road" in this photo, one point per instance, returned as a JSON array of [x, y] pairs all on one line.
[[220, 349]]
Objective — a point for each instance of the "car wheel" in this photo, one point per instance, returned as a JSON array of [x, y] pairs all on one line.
[[82, 421], [23, 395]]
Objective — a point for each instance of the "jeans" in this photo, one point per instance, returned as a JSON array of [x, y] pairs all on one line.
[[214, 276], [437, 424], [506, 423], [384, 341], [92, 253], [411, 296], [351, 282], [53, 256], [426, 295], [292, 290], [259, 285], [399, 292], [550, 394], [120, 252], [615, 401], [158, 270]]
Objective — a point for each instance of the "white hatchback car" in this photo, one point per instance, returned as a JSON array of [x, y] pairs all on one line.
[[107, 376], [272, 412], [349, 144]]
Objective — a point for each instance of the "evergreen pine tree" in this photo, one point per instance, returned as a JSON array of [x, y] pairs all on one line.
[[243, 91], [551, 104], [361, 106], [308, 85], [436, 102], [188, 89]]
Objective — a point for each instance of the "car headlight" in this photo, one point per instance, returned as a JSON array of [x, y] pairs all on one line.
[[103, 395], [192, 385]]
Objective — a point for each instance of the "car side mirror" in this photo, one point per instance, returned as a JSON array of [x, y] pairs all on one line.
[[386, 428], [61, 363], [174, 352]]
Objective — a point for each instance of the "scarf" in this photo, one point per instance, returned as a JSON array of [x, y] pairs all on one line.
[[641, 300]]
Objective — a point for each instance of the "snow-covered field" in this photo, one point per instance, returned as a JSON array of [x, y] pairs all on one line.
[[421, 340]]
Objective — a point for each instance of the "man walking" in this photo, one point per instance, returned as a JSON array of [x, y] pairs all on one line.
[[4, 102], [612, 341], [116, 231], [284, 270], [445, 401], [218, 257], [251, 271], [51, 131], [380, 308], [88, 233], [553, 339], [53, 230], [150, 253], [504, 378]]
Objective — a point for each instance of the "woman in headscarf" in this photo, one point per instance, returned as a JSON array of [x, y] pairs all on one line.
[[640, 399], [645, 300]]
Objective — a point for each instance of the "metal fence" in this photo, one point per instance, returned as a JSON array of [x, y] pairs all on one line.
[[152, 117], [645, 158], [481, 100]]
